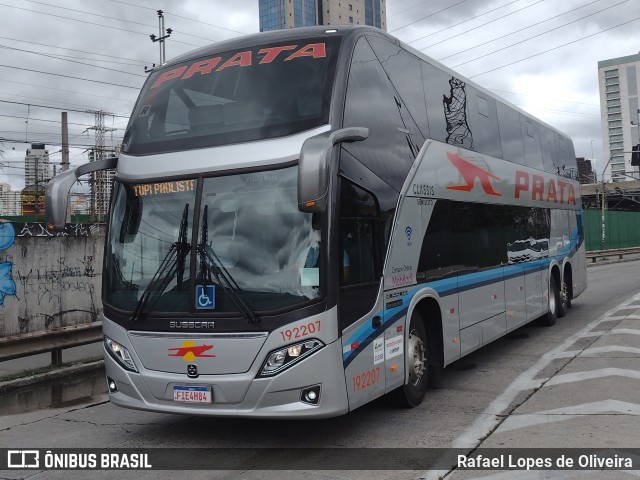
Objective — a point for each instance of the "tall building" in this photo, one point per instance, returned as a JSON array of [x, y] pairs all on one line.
[[280, 14], [9, 201], [586, 174], [36, 166], [619, 86]]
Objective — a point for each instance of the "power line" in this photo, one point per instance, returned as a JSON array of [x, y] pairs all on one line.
[[556, 99], [58, 108], [73, 61], [465, 21], [430, 15], [114, 18], [62, 56], [483, 25], [32, 101], [420, 2], [53, 144], [555, 48], [540, 34], [71, 49], [70, 76], [88, 22], [68, 91], [180, 16], [31, 119], [519, 30]]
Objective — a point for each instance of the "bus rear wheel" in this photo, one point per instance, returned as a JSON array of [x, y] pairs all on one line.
[[412, 392], [563, 304]]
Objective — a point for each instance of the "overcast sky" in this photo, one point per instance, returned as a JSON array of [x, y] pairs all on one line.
[[539, 54]]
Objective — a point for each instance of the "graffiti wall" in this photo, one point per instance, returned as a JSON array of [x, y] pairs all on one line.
[[49, 280]]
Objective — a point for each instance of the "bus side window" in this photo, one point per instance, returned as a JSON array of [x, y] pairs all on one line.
[[358, 252], [510, 134], [436, 256], [532, 145]]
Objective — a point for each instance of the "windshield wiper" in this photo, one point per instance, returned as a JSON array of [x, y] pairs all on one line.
[[172, 263], [221, 274]]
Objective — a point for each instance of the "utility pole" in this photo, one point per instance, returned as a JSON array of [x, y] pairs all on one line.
[[602, 239], [160, 38], [65, 144], [100, 181]]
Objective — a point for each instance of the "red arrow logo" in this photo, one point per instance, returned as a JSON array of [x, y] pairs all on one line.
[[190, 351], [470, 172]]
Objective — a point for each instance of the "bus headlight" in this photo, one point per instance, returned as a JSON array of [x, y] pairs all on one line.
[[283, 358], [120, 354]]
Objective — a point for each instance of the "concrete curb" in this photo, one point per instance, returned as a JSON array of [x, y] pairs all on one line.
[[612, 261], [10, 385]]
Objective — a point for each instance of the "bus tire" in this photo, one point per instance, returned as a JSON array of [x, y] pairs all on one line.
[[411, 393], [554, 303]]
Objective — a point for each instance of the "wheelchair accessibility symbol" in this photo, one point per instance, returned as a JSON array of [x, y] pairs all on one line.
[[205, 297]]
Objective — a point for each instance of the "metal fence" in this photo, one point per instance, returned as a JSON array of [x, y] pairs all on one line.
[[622, 229]]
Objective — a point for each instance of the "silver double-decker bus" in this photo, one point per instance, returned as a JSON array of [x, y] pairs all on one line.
[[305, 220]]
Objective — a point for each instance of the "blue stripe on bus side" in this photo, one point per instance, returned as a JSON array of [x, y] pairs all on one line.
[[365, 334]]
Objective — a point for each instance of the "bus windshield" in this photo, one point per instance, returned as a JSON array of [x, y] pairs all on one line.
[[252, 246], [249, 94]]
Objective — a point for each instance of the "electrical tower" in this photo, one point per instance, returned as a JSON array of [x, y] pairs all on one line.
[[101, 181]]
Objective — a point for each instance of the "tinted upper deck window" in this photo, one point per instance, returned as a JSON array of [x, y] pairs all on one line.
[[255, 93]]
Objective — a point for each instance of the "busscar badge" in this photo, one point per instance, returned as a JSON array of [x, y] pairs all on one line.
[[192, 370]]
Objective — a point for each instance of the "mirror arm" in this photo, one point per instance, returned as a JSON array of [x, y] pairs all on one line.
[[315, 163], [59, 187]]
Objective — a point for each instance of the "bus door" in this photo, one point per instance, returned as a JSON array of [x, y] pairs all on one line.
[[360, 301]]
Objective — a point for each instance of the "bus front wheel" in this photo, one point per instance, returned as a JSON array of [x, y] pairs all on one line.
[[412, 392]]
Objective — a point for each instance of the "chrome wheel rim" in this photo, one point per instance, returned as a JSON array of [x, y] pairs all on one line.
[[552, 302], [417, 358]]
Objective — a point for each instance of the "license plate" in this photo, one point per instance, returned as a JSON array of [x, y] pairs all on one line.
[[188, 394]]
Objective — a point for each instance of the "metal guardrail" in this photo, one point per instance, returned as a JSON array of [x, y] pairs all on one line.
[[594, 255], [18, 346]]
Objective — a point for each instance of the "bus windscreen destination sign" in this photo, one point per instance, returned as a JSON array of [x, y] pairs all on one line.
[[163, 188], [243, 59]]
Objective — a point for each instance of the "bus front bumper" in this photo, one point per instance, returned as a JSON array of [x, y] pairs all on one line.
[[239, 395]]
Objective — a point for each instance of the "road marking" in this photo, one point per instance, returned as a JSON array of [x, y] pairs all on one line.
[[623, 331], [613, 348], [491, 417], [591, 374], [516, 421]]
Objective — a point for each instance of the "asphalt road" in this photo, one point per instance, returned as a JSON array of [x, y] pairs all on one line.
[[570, 385]]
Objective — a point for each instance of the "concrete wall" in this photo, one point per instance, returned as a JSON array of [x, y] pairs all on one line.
[[49, 280]]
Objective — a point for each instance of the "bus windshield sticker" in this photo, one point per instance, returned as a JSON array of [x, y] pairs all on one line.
[[393, 347], [310, 277], [378, 350], [144, 111], [205, 297]]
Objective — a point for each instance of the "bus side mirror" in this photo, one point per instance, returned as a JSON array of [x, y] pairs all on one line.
[[56, 200], [314, 167]]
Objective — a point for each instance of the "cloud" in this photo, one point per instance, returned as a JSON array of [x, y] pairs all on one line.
[[116, 37]]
